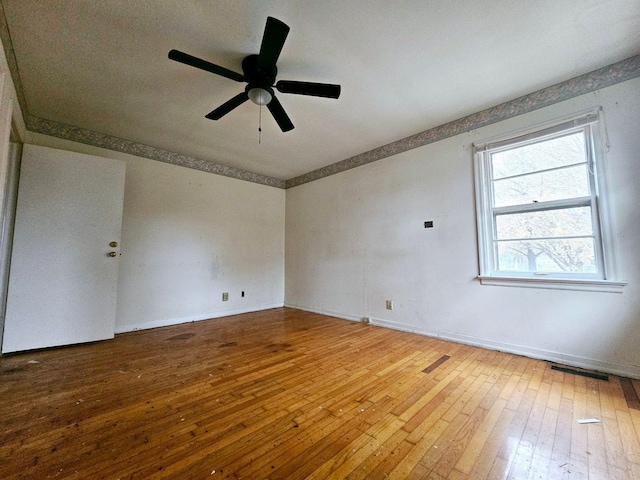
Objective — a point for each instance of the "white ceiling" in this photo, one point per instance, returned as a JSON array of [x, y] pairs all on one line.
[[404, 67]]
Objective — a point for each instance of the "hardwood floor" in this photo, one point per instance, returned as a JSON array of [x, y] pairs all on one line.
[[286, 394]]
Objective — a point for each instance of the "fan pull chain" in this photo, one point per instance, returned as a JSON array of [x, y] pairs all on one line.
[[260, 126]]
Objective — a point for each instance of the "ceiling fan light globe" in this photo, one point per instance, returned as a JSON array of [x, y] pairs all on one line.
[[259, 96]]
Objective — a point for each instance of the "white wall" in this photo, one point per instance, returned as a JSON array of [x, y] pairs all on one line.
[[189, 236], [356, 239]]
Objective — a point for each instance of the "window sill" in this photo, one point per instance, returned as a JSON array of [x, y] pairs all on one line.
[[608, 286]]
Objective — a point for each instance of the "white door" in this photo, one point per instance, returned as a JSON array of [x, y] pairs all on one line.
[[62, 283], [8, 214]]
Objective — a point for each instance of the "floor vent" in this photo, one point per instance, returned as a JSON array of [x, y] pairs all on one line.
[[597, 376], [436, 364]]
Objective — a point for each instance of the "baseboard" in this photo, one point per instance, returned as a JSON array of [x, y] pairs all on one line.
[[623, 370], [620, 369], [131, 327], [328, 313]]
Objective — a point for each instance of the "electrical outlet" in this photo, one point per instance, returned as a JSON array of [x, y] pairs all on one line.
[[225, 296], [366, 320], [428, 224], [389, 304]]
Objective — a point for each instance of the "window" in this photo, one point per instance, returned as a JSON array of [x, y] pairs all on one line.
[[541, 211]]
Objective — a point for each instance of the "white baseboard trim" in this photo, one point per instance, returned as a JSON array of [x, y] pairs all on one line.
[[328, 313], [132, 327], [623, 370], [539, 354]]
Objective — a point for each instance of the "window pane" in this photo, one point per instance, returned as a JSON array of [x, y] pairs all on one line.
[[569, 255], [570, 182], [547, 223], [539, 156]]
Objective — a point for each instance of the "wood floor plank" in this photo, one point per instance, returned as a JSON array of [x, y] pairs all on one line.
[[479, 438], [449, 407], [567, 387], [512, 383], [289, 394], [635, 420], [523, 459], [630, 393], [499, 469], [579, 446], [561, 450], [555, 394], [377, 435], [373, 466], [598, 465], [440, 460], [411, 462], [389, 461], [455, 438], [630, 441], [485, 459], [541, 461]]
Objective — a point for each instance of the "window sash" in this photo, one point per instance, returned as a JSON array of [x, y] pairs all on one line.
[[507, 191], [534, 172], [487, 212], [542, 206]]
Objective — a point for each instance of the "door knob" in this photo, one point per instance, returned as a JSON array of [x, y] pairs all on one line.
[[113, 244], [112, 254]]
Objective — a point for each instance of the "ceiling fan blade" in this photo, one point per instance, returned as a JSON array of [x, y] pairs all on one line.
[[187, 59], [281, 117], [275, 33], [226, 107], [327, 90]]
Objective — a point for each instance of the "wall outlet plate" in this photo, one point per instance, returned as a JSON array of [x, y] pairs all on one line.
[[225, 296], [366, 320], [428, 224], [389, 304]]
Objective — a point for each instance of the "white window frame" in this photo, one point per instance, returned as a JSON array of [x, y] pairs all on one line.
[[605, 279]]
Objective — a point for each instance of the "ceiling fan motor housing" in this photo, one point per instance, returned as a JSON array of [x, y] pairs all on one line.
[[258, 76]]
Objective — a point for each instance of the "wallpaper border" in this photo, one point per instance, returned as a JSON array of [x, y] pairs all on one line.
[[88, 137], [587, 83]]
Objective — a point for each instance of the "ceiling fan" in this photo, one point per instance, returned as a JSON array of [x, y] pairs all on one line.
[[259, 72]]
